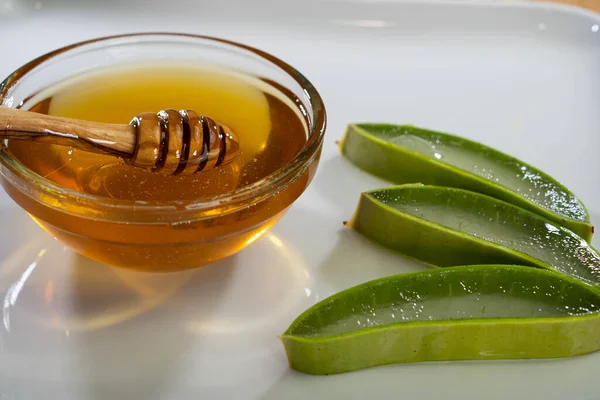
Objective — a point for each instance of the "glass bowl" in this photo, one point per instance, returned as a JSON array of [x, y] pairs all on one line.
[[160, 236]]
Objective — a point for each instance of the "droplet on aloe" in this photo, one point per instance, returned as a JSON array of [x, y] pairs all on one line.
[[407, 154]]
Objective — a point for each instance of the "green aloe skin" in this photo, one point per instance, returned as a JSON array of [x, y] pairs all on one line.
[[458, 313], [443, 227], [407, 154], [520, 279]]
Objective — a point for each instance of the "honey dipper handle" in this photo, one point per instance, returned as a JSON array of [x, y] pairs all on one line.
[[97, 137], [170, 142]]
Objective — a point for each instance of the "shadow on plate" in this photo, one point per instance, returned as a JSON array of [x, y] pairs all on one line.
[[97, 332], [17, 228], [340, 183], [425, 380], [355, 260]]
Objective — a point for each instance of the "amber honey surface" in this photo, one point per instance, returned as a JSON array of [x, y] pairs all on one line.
[[269, 126], [271, 131]]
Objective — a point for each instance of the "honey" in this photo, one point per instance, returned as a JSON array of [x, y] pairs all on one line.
[[267, 119], [270, 127]]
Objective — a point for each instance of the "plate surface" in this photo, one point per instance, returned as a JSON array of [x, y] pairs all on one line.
[[522, 78]]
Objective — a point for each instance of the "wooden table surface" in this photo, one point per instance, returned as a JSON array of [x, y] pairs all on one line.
[[589, 4]]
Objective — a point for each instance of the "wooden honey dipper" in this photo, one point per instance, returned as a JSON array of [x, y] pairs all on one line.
[[169, 142]]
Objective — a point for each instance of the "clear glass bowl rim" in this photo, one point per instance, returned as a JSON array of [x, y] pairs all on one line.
[[24, 178]]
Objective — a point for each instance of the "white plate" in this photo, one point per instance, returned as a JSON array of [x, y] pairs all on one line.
[[522, 78]]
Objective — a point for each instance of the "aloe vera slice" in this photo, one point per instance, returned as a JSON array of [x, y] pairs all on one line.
[[407, 154], [443, 227], [460, 313]]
